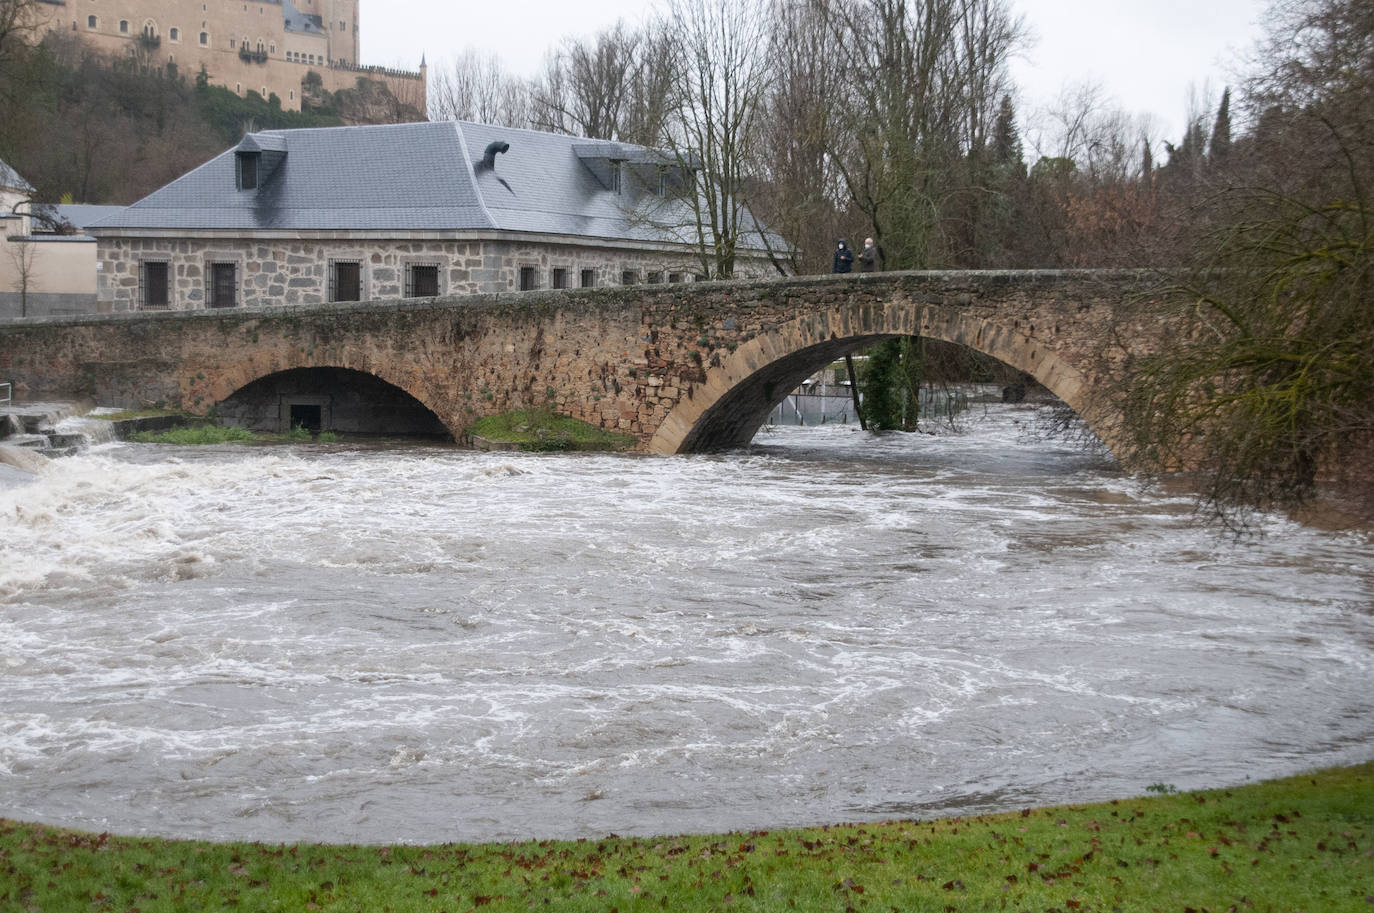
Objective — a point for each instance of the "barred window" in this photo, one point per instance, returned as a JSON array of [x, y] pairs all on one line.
[[154, 290], [629, 277], [560, 278], [529, 278], [422, 280], [345, 280], [588, 278], [224, 285]]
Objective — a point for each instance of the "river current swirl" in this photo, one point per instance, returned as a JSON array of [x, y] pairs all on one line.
[[426, 644]]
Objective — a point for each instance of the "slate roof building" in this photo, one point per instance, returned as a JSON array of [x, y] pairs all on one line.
[[304, 217], [13, 188], [47, 264]]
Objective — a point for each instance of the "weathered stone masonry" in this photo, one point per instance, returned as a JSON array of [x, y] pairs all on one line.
[[683, 368], [295, 271]]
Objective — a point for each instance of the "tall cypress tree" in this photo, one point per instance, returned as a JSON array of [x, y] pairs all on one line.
[[1219, 149]]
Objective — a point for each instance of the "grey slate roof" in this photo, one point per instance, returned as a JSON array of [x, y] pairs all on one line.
[[13, 179], [418, 176], [296, 21], [83, 214]]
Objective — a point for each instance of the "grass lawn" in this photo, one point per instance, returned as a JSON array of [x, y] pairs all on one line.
[[1300, 844]]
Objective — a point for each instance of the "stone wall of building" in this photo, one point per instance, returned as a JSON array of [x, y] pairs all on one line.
[[296, 272]]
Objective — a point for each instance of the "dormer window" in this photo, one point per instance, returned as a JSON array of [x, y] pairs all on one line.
[[615, 175], [248, 169]]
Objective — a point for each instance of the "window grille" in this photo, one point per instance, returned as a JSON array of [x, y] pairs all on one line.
[[529, 280], [589, 278], [224, 285], [560, 278], [345, 280], [629, 277], [154, 289], [422, 280]]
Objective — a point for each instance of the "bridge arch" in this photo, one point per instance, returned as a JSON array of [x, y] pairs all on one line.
[[737, 396], [343, 398]]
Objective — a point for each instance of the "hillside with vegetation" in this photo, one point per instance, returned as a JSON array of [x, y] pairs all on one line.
[[83, 127]]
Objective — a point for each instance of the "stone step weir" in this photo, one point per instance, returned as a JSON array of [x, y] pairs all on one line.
[[52, 429]]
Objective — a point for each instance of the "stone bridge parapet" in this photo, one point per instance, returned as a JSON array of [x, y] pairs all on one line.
[[682, 367]]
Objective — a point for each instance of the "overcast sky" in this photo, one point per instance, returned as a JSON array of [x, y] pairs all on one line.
[[1147, 56]]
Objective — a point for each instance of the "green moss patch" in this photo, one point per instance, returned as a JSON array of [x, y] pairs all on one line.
[[543, 429]]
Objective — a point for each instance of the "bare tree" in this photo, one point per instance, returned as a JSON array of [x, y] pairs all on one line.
[[722, 80], [800, 190], [19, 20], [924, 81], [616, 86], [476, 87], [23, 254]]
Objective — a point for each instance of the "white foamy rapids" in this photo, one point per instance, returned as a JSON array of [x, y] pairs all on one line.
[[429, 644]]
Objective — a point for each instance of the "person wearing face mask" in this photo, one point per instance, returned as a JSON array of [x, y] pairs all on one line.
[[868, 257], [844, 258]]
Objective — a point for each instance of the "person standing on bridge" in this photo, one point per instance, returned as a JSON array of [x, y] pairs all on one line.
[[868, 257], [844, 258]]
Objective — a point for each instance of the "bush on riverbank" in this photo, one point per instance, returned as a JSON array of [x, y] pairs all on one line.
[[1303, 843]]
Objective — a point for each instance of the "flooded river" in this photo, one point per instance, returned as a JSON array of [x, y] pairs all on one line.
[[426, 644]]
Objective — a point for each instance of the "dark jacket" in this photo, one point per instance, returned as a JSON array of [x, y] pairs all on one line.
[[868, 259], [844, 259]]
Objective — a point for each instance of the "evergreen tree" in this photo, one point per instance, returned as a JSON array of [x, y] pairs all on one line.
[[1006, 143], [1219, 149]]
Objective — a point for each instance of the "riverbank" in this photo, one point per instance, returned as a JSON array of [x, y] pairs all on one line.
[[1301, 843]]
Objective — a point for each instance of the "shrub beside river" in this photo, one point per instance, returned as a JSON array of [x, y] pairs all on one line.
[[1303, 843]]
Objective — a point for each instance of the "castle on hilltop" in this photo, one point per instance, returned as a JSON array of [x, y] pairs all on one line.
[[266, 46]]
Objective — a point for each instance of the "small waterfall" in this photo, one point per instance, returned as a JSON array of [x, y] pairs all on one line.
[[53, 429]]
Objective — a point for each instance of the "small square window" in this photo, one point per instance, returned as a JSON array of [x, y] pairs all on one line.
[[529, 278], [629, 277], [675, 277], [655, 278], [560, 278], [422, 280], [589, 278]]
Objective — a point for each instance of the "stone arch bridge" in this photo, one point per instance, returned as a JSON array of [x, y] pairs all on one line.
[[683, 368]]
